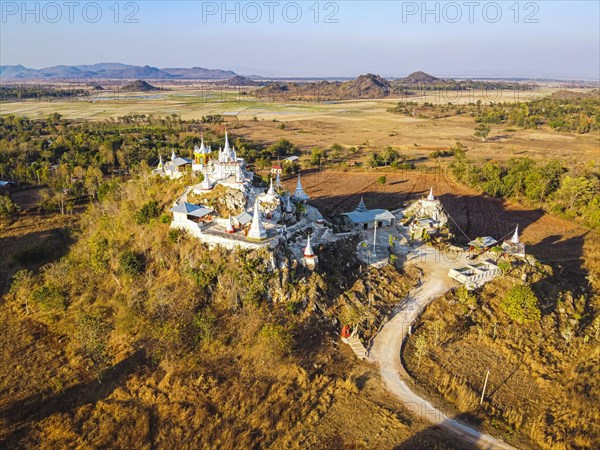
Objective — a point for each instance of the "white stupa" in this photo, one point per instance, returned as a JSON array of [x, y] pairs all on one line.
[[160, 162], [514, 246], [277, 180], [173, 155], [271, 190], [300, 195], [515, 238], [310, 259], [430, 197], [289, 208], [206, 185], [229, 226], [257, 229]]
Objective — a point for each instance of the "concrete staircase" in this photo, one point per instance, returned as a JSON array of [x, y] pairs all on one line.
[[357, 347]]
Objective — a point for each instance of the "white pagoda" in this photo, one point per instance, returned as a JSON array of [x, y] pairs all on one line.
[[229, 226], [310, 259], [514, 246], [429, 207], [299, 194], [257, 230]]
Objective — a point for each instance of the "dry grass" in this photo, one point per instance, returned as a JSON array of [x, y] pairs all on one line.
[[540, 385]]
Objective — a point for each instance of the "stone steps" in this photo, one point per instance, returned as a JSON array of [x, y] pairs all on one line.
[[357, 347]]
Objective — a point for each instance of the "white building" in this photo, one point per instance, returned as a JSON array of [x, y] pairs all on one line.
[[475, 275], [175, 168], [362, 218], [188, 212]]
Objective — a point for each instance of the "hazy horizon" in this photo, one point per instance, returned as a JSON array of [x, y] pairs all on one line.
[[391, 39]]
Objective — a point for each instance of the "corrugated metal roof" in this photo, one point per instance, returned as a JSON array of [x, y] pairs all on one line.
[[369, 215], [482, 242], [244, 218], [191, 209]]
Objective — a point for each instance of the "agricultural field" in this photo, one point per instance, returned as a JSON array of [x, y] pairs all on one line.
[[550, 238], [365, 124]]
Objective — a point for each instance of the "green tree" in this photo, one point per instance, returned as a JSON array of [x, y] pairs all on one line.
[[482, 131], [521, 304], [147, 212], [7, 206], [131, 263], [575, 191]]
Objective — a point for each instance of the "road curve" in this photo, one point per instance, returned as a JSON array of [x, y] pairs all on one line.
[[388, 343]]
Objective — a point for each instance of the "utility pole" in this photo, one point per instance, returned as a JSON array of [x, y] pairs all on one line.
[[484, 386], [375, 238]]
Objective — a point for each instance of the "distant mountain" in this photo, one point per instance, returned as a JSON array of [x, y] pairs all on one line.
[[200, 73], [111, 71], [139, 86], [420, 78], [16, 72]]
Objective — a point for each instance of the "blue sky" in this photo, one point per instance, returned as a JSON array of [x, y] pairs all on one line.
[[546, 39]]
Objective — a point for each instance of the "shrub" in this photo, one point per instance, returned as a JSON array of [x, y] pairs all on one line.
[[131, 263], [521, 304], [147, 212], [276, 338], [50, 298], [98, 249], [7, 206], [382, 179]]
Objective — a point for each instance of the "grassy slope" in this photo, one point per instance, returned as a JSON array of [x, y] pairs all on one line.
[[170, 381], [543, 381]]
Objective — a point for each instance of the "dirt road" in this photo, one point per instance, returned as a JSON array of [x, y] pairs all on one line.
[[387, 345]]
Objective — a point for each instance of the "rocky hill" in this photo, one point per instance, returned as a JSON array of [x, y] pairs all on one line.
[[240, 81], [420, 77], [139, 86]]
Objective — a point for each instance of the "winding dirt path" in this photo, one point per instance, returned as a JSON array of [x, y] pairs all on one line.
[[388, 343]]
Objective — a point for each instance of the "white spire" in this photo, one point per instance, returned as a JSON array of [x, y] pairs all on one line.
[[202, 149], [257, 229], [430, 196], [271, 190], [226, 146], [300, 195], [160, 162], [288, 207], [173, 156], [277, 180], [308, 251], [229, 227], [515, 238], [206, 184]]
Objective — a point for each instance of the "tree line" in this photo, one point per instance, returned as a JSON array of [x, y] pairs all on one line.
[[573, 193]]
